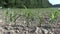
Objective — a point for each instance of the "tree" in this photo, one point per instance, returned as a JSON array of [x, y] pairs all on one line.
[[25, 3]]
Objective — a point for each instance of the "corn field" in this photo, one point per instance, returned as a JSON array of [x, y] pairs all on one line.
[[49, 15]]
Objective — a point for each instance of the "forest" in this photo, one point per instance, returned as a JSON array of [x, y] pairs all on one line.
[[25, 3]]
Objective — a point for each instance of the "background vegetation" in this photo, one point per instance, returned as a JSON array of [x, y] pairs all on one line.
[[25, 3]]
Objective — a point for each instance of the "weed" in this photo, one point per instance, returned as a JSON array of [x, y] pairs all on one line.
[[53, 17], [40, 20], [6, 16], [29, 17], [40, 17]]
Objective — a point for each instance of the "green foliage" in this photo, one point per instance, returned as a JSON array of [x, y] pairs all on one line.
[[30, 15], [10, 16], [45, 3], [53, 17], [25, 3], [6, 15], [40, 20]]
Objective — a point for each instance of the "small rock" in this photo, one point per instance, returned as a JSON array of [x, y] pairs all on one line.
[[31, 29], [17, 31], [44, 31], [6, 27], [38, 30]]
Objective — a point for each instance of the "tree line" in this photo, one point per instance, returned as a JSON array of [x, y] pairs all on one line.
[[25, 3]]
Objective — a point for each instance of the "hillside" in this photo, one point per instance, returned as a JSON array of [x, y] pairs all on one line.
[[57, 5]]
